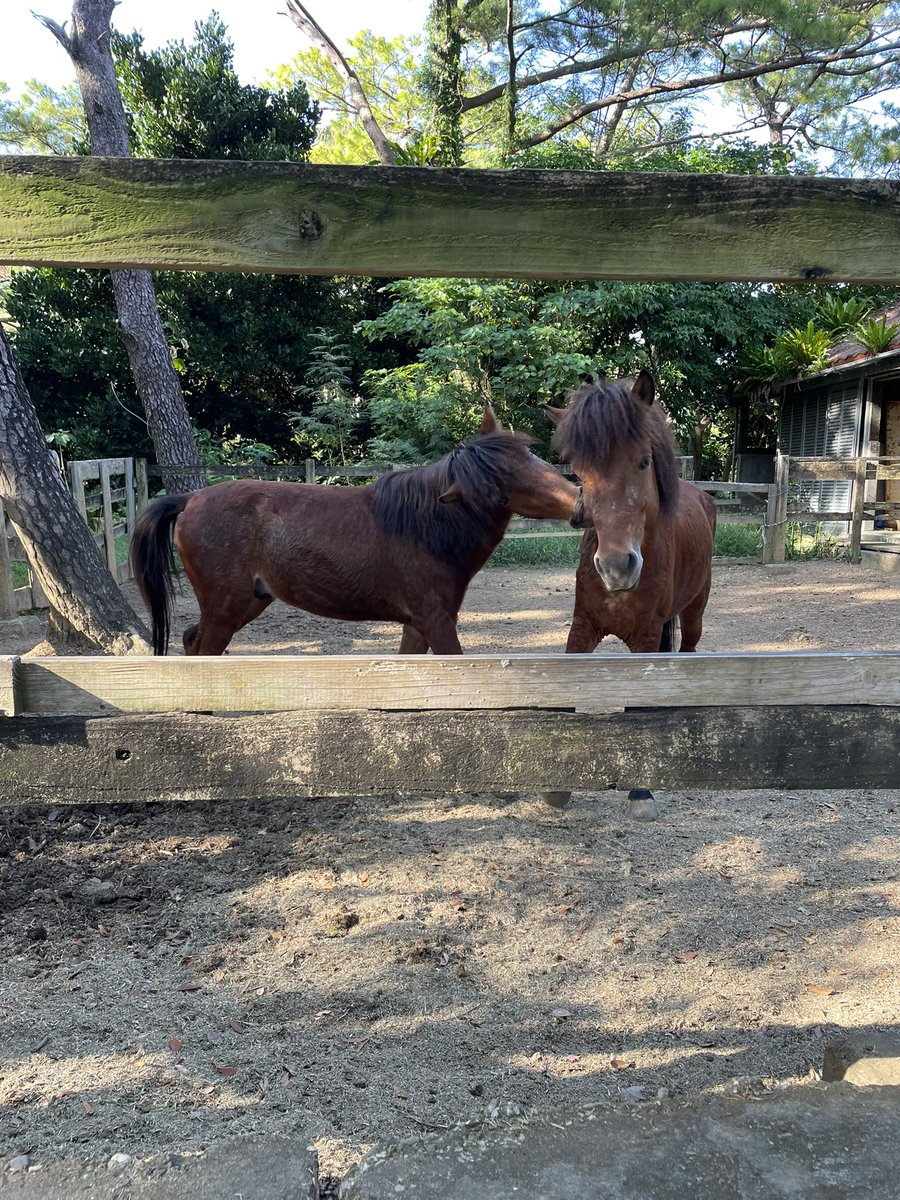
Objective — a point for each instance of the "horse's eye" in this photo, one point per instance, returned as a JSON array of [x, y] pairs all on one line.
[[645, 462]]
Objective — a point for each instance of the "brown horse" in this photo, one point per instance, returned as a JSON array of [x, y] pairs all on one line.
[[646, 558], [403, 549]]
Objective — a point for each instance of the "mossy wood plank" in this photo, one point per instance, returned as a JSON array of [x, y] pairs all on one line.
[[588, 682], [60, 760], [288, 217]]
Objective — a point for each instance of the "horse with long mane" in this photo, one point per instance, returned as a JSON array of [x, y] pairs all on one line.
[[646, 556], [402, 549]]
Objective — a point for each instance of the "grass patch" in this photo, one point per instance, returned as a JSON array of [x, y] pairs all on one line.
[[737, 541], [804, 542]]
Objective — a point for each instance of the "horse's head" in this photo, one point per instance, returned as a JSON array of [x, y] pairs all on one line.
[[619, 443], [499, 468]]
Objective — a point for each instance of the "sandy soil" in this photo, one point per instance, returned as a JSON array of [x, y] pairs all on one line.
[[359, 970]]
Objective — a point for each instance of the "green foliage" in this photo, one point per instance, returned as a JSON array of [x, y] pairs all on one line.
[[521, 344], [185, 101], [838, 315], [241, 343], [330, 426], [805, 350], [441, 82], [737, 541], [41, 120], [875, 335], [803, 542]]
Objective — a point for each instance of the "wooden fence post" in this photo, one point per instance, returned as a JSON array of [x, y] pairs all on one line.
[[142, 491], [310, 470], [857, 508], [776, 511], [768, 529], [109, 533]]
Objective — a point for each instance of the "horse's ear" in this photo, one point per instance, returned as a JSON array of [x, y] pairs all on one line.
[[643, 388], [555, 414], [489, 423], [453, 493]]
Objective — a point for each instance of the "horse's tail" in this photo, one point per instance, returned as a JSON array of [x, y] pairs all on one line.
[[153, 562], [669, 636]]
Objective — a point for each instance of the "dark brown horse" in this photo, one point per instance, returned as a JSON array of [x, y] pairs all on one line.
[[403, 549], [646, 557]]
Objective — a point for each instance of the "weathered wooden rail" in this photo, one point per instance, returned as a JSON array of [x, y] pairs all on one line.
[[338, 220], [80, 730]]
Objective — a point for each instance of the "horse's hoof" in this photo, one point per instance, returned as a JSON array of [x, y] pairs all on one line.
[[556, 799], [642, 805]]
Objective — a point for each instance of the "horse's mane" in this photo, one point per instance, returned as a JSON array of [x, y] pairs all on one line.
[[407, 501], [602, 418]]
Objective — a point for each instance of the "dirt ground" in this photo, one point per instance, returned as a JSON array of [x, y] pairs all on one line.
[[355, 971]]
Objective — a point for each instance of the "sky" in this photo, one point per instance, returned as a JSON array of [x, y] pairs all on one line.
[[262, 38]]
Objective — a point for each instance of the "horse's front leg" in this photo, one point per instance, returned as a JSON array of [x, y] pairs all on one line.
[[641, 804], [439, 630]]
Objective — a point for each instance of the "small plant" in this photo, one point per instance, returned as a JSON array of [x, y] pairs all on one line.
[[838, 317], [875, 336], [804, 351]]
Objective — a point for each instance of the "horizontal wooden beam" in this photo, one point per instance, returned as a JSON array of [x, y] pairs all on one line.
[[587, 682], [72, 760], [337, 220]]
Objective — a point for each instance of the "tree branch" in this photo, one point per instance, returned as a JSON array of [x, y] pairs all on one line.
[[701, 82], [316, 34]]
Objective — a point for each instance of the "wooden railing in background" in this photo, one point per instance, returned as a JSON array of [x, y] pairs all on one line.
[[123, 485]]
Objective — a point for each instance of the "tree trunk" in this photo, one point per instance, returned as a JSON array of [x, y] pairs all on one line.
[[58, 543], [139, 323], [442, 81], [304, 21]]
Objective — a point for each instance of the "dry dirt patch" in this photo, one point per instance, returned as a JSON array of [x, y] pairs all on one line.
[[355, 971]]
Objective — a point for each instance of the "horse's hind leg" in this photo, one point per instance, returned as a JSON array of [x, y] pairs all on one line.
[[218, 626], [412, 641]]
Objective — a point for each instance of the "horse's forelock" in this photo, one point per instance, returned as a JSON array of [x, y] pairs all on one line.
[[601, 420]]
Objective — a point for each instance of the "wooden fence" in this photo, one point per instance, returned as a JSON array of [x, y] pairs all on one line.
[[109, 507], [83, 729], [86, 730]]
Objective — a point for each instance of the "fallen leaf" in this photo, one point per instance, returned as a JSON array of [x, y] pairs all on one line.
[[227, 1072], [620, 1064], [190, 987], [237, 1027], [688, 956], [175, 1044], [815, 990], [848, 946], [560, 1012], [88, 1108]]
